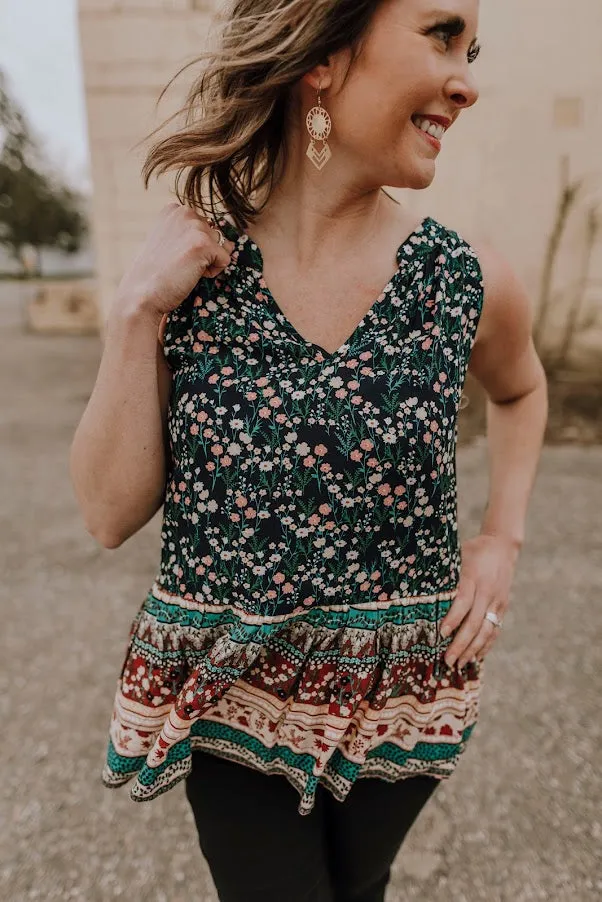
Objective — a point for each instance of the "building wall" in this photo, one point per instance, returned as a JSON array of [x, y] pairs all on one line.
[[499, 174]]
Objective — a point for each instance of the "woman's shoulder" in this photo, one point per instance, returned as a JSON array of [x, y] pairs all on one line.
[[507, 306]]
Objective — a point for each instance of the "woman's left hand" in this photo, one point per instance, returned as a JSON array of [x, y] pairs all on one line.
[[488, 564]]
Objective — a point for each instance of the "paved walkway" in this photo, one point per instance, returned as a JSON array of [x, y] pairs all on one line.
[[521, 818]]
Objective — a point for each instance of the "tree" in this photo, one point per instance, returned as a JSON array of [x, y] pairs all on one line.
[[36, 207]]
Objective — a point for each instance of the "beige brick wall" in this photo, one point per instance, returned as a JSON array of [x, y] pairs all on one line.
[[498, 175]]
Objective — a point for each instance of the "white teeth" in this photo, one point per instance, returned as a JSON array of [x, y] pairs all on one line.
[[431, 128]]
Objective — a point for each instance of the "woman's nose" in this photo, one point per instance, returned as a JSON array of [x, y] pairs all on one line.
[[463, 91]]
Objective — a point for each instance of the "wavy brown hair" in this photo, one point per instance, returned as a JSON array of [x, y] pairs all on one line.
[[233, 143]]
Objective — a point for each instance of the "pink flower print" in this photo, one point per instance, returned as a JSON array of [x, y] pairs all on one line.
[[182, 486], [226, 460], [207, 560], [177, 497], [400, 489], [217, 450], [288, 588], [366, 444], [352, 364], [340, 393], [434, 426], [200, 570], [372, 462], [271, 594], [213, 378], [250, 512], [241, 501], [210, 466], [426, 344], [320, 450], [264, 412], [235, 518], [253, 336], [313, 520], [279, 578], [309, 461], [366, 355], [251, 395], [227, 370], [389, 500], [309, 600], [268, 392], [357, 400], [325, 468], [384, 489], [436, 387], [262, 382], [330, 524], [428, 438], [364, 587], [275, 402], [280, 418], [204, 336], [443, 377], [366, 371], [325, 509], [202, 416], [353, 385], [356, 455]]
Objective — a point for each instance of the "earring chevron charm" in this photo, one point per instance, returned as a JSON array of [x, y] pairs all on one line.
[[319, 126]]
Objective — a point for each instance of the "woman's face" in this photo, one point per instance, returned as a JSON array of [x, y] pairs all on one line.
[[415, 60]]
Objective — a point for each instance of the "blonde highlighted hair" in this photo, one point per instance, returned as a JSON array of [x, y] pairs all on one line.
[[233, 143]]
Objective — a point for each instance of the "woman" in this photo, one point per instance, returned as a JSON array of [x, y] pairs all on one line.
[[313, 642]]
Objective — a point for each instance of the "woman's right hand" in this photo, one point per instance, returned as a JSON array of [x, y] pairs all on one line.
[[180, 249]]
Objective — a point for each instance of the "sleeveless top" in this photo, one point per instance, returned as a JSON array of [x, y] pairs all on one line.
[[309, 542]]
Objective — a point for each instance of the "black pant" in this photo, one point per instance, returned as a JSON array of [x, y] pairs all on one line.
[[260, 849]]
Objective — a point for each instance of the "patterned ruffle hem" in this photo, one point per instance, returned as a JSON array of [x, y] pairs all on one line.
[[323, 695]]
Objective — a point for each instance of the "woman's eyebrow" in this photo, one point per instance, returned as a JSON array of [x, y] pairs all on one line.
[[447, 18], [456, 24]]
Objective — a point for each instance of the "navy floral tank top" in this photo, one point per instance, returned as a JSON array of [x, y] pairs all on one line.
[[309, 543]]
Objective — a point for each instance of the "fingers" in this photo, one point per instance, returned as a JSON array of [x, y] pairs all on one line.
[[481, 643], [475, 633]]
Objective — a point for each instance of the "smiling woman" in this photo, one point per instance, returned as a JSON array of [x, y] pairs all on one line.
[[314, 621]]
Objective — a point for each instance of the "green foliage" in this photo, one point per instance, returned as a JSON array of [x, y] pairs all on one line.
[[36, 207]]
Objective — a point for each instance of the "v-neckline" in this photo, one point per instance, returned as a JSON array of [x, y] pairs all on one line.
[[244, 239]]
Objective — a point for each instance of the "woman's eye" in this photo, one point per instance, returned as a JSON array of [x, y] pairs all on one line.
[[446, 34], [443, 33]]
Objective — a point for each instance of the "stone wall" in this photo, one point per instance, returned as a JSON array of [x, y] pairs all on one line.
[[499, 174]]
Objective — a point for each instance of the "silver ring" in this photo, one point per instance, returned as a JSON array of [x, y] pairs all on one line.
[[222, 238], [493, 618]]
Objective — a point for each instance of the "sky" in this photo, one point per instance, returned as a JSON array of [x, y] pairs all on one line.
[[39, 53]]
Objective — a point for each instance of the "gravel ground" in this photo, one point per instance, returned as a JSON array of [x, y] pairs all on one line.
[[521, 818]]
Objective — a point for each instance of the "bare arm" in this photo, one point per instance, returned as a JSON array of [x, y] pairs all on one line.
[[118, 455], [505, 362]]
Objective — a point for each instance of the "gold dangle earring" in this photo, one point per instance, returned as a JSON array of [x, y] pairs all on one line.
[[319, 125]]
